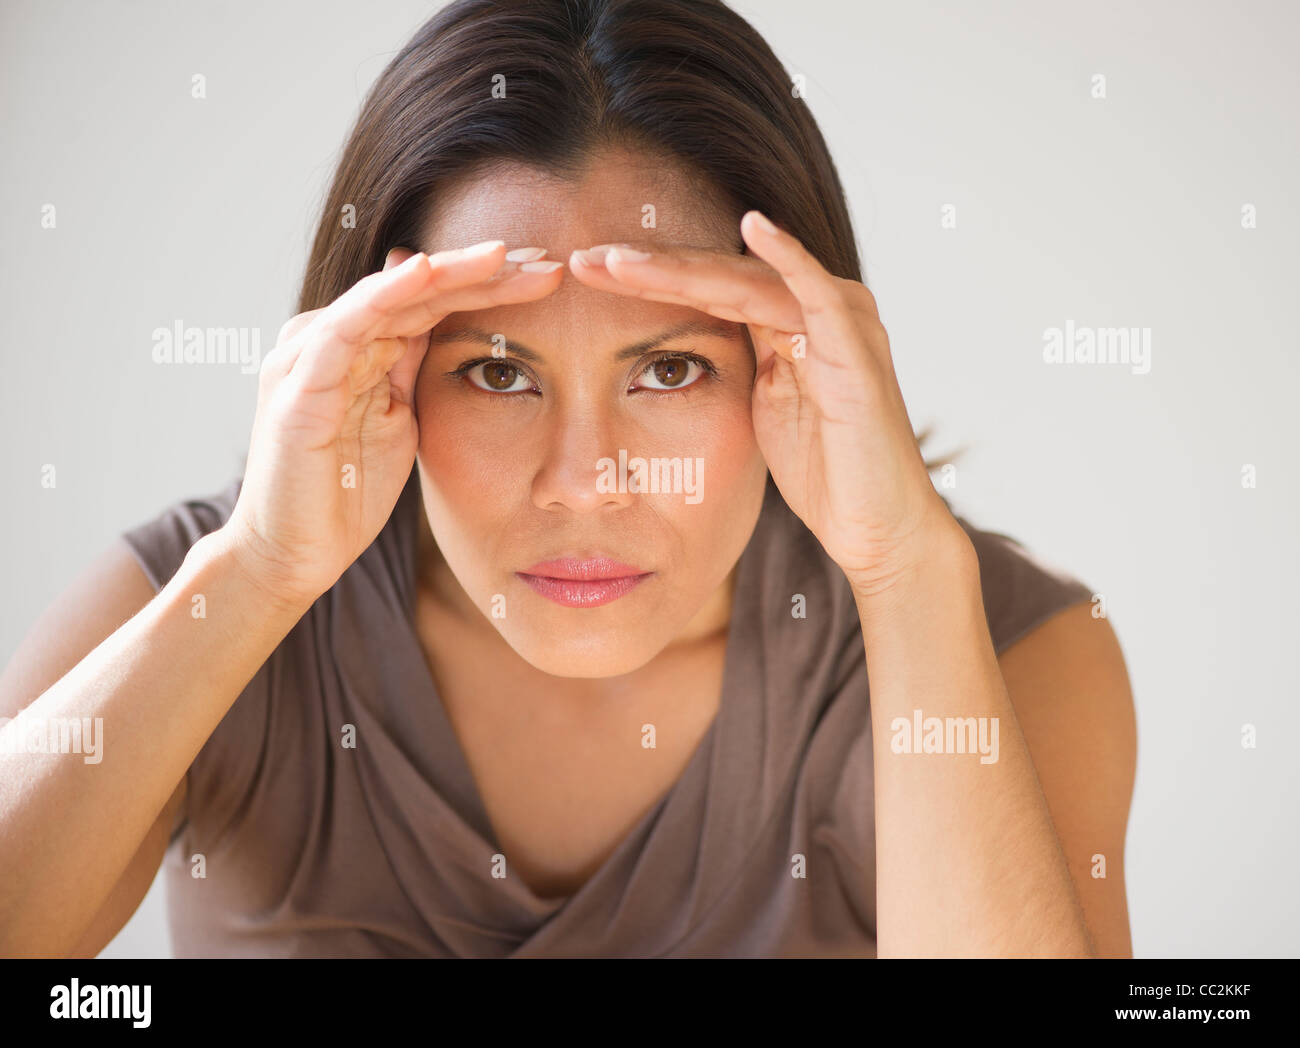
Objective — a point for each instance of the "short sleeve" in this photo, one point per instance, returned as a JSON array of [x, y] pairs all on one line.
[[1021, 589], [160, 546]]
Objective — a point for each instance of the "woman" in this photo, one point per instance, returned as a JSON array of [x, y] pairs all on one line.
[[581, 507]]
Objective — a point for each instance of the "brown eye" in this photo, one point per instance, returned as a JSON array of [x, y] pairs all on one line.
[[497, 377], [673, 372]]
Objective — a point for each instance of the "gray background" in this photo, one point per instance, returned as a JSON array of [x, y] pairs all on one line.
[[1117, 212]]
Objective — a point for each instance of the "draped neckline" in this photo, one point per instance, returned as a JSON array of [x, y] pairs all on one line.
[[424, 773]]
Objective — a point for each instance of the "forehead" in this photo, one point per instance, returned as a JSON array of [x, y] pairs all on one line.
[[606, 202], [618, 196]]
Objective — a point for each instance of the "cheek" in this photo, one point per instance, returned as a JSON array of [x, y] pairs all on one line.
[[470, 458], [717, 429], [463, 436], [731, 476]]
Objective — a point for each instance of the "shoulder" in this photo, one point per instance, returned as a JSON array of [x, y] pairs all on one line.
[[1069, 683], [1066, 677], [1022, 589], [1060, 658], [161, 542], [225, 763], [1049, 628]]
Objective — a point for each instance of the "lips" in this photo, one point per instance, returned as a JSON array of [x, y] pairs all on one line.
[[583, 582]]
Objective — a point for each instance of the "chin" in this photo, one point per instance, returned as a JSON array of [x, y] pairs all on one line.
[[570, 651]]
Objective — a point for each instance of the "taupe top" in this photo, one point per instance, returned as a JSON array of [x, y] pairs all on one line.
[[312, 849]]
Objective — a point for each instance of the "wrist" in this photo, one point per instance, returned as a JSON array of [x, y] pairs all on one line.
[[938, 557], [228, 553]]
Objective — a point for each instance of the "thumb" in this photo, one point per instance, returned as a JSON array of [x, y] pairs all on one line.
[[401, 378]]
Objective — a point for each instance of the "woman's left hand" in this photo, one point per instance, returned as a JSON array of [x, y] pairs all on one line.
[[828, 413]]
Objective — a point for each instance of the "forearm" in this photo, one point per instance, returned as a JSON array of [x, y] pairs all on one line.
[[967, 860], [150, 694]]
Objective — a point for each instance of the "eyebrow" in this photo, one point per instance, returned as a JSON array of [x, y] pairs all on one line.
[[704, 326]]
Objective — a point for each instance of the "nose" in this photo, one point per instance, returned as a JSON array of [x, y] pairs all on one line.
[[577, 437]]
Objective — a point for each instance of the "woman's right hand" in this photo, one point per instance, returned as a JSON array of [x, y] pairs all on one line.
[[334, 435]]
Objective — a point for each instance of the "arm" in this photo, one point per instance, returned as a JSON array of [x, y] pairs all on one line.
[[160, 683], [79, 840], [1073, 700], [970, 861], [110, 591]]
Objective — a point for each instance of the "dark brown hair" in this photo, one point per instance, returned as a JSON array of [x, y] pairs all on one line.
[[689, 80]]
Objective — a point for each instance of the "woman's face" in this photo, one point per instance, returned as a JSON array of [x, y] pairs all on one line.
[[521, 456]]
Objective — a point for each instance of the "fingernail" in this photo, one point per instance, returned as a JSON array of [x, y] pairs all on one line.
[[627, 254], [764, 223], [593, 256], [525, 254], [485, 248], [549, 266]]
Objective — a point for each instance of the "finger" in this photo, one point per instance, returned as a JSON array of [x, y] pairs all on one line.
[[733, 287], [396, 347], [406, 366], [374, 361], [401, 357], [823, 298], [365, 311], [341, 330], [281, 359], [512, 283], [788, 345], [295, 324], [277, 363], [396, 256]]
